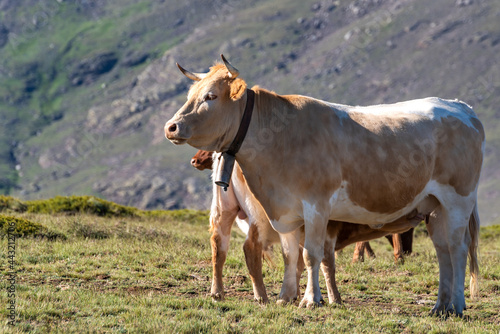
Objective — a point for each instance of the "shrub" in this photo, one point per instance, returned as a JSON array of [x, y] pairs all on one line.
[[194, 217], [24, 228], [9, 203], [80, 204]]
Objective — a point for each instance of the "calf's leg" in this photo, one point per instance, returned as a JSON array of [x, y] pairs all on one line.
[[398, 248], [221, 231], [407, 241], [359, 252], [369, 251], [328, 268]]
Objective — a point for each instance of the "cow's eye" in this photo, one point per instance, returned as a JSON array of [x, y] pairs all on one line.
[[210, 97]]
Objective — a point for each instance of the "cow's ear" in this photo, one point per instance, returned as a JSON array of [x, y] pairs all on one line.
[[237, 89]]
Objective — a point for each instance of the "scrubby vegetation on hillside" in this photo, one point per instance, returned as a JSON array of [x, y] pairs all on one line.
[[82, 205]]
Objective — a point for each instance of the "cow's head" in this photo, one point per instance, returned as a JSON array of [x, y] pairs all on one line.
[[202, 160], [210, 118]]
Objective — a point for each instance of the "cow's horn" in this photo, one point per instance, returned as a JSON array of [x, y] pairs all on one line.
[[233, 72], [191, 75]]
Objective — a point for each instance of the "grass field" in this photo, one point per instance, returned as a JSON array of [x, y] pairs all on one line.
[[136, 272]]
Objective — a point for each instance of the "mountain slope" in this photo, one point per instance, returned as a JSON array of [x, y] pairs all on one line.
[[102, 133]]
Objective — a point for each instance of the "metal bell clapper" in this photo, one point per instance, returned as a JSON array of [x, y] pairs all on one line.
[[224, 170]]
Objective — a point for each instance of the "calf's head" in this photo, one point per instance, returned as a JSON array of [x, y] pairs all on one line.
[[202, 160], [210, 118]]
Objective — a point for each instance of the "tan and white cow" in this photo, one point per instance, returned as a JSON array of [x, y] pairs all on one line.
[[378, 164]]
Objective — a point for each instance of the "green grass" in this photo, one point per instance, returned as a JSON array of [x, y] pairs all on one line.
[[150, 272]]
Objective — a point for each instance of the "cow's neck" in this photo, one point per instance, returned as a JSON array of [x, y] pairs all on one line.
[[275, 150]]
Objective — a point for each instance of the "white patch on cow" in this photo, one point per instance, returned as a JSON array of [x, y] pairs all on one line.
[[243, 225], [334, 197], [448, 197], [432, 108], [343, 209], [309, 211], [224, 239]]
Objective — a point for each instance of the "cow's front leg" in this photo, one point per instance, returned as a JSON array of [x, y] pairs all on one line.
[[221, 231], [290, 248], [315, 232]]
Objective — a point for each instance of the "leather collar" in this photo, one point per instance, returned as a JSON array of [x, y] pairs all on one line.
[[245, 123]]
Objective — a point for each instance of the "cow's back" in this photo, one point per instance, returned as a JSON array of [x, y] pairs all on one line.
[[394, 151]]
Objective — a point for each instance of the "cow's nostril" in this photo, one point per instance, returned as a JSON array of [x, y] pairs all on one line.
[[194, 162], [172, 128]]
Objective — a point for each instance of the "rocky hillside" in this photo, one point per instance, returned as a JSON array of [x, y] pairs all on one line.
[[86, 86]]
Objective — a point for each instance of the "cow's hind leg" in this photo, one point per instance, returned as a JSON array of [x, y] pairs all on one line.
[[253, 256], [459, 241], [449, 231], [438, 232]]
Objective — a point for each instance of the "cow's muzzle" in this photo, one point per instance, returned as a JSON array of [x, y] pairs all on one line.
[[176, 133]]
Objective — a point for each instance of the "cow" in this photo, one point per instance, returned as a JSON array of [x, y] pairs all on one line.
[[238, 202], [378, 164]]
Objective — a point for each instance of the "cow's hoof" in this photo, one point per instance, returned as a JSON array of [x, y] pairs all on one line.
[[438, 311], [217, 296], [310, 304], [283, 302], [262, 300], [336, 301], [451, 310]]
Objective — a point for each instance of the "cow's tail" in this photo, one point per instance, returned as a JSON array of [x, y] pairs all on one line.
[[473, 247]]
